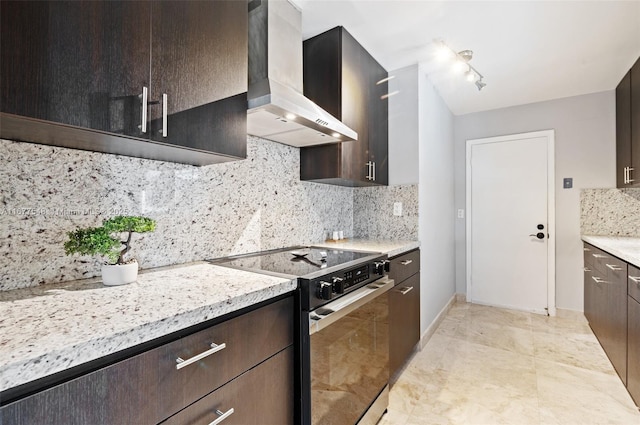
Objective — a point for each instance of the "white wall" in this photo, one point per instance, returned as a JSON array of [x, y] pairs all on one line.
[[421, 150], [436, 224], [584, 150], [403, 126]]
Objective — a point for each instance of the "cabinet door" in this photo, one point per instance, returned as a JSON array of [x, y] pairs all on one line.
[[589, 286], [623, 129], [262, 396], [633, 329], [404, 321], [379, 122], [199, 61], [633, 371], [80, 63], [355, 107], [614, 335], [635, 122]]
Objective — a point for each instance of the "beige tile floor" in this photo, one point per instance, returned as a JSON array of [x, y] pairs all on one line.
[[486, 365]]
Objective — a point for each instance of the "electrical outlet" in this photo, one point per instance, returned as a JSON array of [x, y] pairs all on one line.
[[397, 208], [460, 213]]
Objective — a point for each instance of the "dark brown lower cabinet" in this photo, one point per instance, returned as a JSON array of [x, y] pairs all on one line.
[[253, 398], [404, 309], [605, 304], [249, 367], [633, 334], [612, 307]]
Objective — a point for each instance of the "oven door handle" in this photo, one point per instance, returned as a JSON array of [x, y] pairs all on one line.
[[348, 303]]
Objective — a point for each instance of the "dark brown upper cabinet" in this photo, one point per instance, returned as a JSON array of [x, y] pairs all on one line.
[[345, 80], [159, 80], [628, 129]]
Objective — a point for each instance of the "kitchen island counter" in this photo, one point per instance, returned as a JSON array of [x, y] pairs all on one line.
[[51, 328]]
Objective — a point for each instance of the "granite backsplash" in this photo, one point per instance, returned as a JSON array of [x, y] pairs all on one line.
[[201, 212], [610, 212]]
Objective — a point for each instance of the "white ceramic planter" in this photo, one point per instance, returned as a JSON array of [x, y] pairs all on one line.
[[119, 274]]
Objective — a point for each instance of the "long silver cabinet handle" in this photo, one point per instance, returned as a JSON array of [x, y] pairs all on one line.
[[598, 279], [629, 179], [635, 279], [624, 175], [222, 416], [406, 290], [348, 303], [587, 269], [145, 104], [586, 249], [180, 363], [599, 256], [165, 103], [614, 267], [406, 262], [374, 170]]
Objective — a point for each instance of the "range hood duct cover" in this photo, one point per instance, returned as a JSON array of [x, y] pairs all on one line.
[[277, 109]]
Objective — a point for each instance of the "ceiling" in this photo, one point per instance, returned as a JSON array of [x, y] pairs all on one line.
[[528, 51]]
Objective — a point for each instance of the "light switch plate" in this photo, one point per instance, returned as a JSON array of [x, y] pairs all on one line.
[[460, 213], [397, 208], [567, 183]]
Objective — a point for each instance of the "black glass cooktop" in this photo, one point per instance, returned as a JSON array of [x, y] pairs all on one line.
[[295, 262]]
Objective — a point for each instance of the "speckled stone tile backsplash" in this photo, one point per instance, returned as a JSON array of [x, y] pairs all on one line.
[[373, 212], [610, 212], [202, 212]]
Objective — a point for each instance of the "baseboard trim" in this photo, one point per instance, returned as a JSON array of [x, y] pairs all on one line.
[[428, 333]]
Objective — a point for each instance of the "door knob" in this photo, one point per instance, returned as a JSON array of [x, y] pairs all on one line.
[[538, 235]]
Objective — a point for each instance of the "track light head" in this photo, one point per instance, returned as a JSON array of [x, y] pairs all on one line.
[[480, 84]]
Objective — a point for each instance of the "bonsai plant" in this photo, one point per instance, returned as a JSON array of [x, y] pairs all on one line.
[[117, 270]]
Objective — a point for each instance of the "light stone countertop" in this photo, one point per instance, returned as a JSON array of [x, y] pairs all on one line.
[[50, 328], [389, 247], [625, 248]]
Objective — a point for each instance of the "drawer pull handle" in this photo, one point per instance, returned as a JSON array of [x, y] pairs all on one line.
[[599, 256], [406, 262], [598, 280], [587, 270], [180, 363], [614, 267], [222, 416], [635, 279], [406, 290], [586, 249]]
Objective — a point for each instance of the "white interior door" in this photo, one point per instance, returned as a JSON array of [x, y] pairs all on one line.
[[508, 184]]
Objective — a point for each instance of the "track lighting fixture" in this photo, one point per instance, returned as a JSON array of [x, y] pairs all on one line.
[[461, 61]]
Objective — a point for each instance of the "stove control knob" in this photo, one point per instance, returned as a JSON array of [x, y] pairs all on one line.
[[325, 291], [378, 267], [338, 285]]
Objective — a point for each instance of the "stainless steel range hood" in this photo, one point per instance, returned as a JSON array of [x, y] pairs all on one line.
[[277, 108]]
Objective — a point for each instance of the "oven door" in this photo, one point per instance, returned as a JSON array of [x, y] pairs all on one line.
[[349, 353]]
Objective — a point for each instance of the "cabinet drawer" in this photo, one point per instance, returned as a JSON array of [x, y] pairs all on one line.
[[123, 393], [249, 339], [634, 282], [262, 396], [404, 266], [598, 259]]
